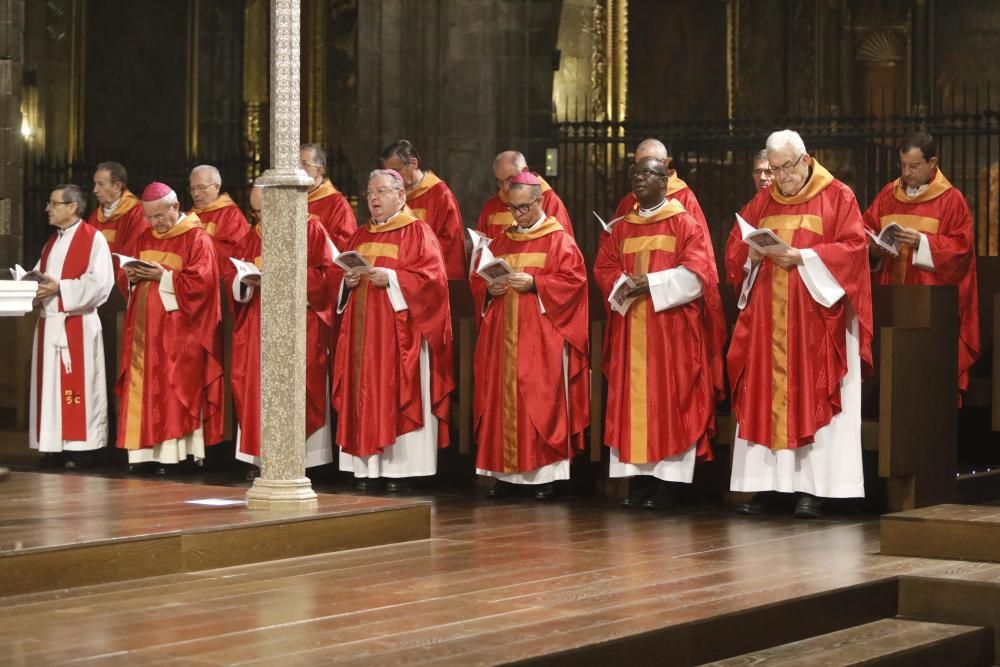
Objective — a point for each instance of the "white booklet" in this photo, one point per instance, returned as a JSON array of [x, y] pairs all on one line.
[[494, 270], [352, 261], [244, 269], [886, 239], [480, 244], [125, 260], [607, 225], [619, 299], [763, 239], [18, 273]]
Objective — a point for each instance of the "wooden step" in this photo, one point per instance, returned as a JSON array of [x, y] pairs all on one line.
[[956, 532], [889, 641]]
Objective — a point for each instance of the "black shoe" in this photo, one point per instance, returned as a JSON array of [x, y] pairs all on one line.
[[809, 507], [545, 491], [662, 497], [368, 484], [639, 491], [79, 460], [398, 486], [500, 490], [50, 460], [167, 470], [756, 505], [140, 468]]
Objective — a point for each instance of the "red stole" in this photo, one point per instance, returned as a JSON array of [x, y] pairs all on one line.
[[73, 383]]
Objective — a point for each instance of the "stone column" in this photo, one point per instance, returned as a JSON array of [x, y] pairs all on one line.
[[11, 141], [282, 483]]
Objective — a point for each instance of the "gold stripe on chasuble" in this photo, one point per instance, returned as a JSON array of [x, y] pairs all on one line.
[[167, 260], [371, 251], [504, 218], [137, 367], [640, 246], [785, 227], [518, 262], [420, 213], [919, 223], [210, 228]]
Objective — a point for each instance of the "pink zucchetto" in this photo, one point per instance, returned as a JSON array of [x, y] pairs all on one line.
[[525, 178], [156, 191]]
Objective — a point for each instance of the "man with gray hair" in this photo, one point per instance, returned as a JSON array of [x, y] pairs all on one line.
[[763, 177], [495, 217], [325, 201], [69, 402], [802, 337], [170, 387], [221, 217], [393, 370]]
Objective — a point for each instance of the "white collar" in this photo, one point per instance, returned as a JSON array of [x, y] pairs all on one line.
[[379, 224], [69, 229], [541, 219], [913, 192], [646, 212], [110, 208]]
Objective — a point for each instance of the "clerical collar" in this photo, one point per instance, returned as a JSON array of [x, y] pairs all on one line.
[[63, 231], [110, 208], [417, 184], [386, 221], [542, 218], [913, 192], [646, 212]]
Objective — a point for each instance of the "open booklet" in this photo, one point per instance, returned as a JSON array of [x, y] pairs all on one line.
[[18, 273], [244, 269], [480, 246], [762, 239], [494, 270], [352, 261], [125, 261], [886, 239], [619, 299], [607, 225]]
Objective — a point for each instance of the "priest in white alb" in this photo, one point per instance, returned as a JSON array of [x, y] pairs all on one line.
[[69, 402]]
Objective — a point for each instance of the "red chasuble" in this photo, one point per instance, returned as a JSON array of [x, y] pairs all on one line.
[[246, 337], [124, 227], [433, 202], [226, 224], [495, 217], [376, 378], [522, 421], [334, 213], [73, 385], [170, 381], [941, 213], [788, 353], [664, 369]]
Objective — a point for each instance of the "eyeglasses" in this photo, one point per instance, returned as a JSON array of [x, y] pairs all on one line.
[[522, 208], [379, 192], [57, 203], [644, 173], [757, 173], [202, 188], [785, 168]]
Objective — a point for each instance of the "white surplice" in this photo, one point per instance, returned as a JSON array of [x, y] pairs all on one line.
[[80, 296]]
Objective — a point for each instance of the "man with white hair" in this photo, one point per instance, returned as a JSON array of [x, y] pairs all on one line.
[[495, 216], [393, 369], [170, 386], [69, 400], [802, 337], [221, 217]]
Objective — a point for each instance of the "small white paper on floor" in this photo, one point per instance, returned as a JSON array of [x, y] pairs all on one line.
[[217, 502]]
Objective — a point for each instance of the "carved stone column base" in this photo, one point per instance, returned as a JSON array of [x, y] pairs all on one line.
[[289, 178], [279, 494]]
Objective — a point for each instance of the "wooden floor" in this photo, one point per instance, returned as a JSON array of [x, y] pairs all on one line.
[[496, 583]]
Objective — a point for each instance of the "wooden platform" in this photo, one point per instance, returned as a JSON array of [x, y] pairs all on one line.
[[959, 532], [572, 582], [60, 531]]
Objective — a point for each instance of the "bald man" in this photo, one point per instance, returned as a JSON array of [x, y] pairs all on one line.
[[496, 217]]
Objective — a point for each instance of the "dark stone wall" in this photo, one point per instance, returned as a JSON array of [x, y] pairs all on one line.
[[136, 59], [462, 80]]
